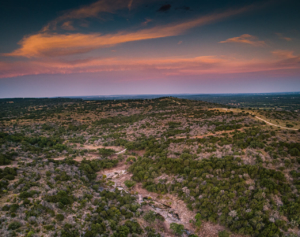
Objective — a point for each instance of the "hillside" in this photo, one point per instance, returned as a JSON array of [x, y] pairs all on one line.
[[153, 167]]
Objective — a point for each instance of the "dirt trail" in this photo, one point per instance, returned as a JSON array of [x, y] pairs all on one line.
[[95, 147], [275, 124], [211, 134], [265, 121]]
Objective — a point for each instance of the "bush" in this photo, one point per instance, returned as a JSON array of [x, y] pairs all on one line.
[[14, 207], [30, 234], [49, 227], [177, 228], [198, 222], [62, 198], [131, 159], [5, 208], [25, 194], [69, 231], [106, 152], [129, 183], [134, 227], [9, 177], [149, 216], [60, 217], [223, 233], [14, 225], [26, 201]]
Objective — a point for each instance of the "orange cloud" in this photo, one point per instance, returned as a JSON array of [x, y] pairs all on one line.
[[146, 22], [68, 26], [163, 66], [245, 39], [130, 4], [284, 54], [49, 44], [283, 37]]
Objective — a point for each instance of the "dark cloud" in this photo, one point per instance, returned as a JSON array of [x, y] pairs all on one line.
[[164, 8]]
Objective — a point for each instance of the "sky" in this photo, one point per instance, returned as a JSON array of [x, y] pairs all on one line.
[[108, 47]]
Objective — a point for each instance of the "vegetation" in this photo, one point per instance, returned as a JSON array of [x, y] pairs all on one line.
[[60, 174]]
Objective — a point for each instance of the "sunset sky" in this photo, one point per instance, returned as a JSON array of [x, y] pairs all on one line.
[[109, 47]]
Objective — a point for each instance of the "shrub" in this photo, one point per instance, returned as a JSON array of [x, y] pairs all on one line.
[[14, 225], [69, 231], [177, 228], [131, 159], [149, 216], [223, 233], [134, 227], [129, 183], [25, 194], [14, 207], [5, 208], [30, 234], [26, 201], [60, 217], [49, 227], [106, 152], [198, 222]]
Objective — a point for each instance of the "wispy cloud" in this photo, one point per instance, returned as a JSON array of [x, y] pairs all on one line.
[[164, 66], [130, 4], [68, 26], [281, 36], [44, 44], [147, 21], [245, 39], [89, 11], [284, 54]]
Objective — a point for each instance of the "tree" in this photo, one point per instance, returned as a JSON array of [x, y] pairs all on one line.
[[60, 217], [198, 222], [129, 183], [106, 152], [14, 225], [69, 231], [177, 228], [223, 233], [149, 216]]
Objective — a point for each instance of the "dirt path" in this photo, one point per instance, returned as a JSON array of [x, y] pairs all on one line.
[[295, 129], [275, 124], [95, 147], [211, 134], [120, 152]]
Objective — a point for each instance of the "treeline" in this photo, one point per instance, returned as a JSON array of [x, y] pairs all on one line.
[[37, 142]]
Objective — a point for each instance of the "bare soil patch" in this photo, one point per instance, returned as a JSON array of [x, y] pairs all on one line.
[[94, 147]]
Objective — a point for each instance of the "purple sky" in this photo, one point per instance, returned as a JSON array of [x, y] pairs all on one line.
[[148, 47]]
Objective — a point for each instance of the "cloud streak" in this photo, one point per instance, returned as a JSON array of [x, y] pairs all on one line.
[[283, 37], [245, 39], [284, 54], [163, 66], [89, 11], [45, 44]]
